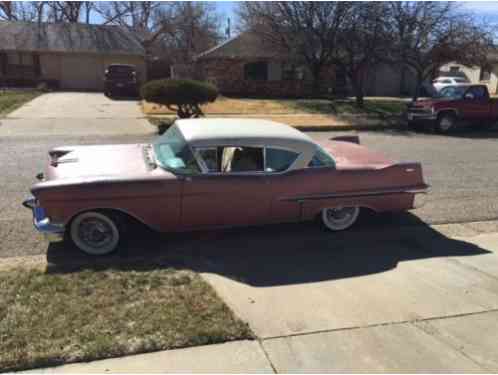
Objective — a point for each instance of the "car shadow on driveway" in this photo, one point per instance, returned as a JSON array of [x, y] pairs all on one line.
[[277, 254]]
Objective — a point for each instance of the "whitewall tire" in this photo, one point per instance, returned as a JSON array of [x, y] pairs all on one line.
[[339, 218], [94, 233]]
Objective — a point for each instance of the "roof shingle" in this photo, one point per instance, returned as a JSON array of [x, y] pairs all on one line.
[[68, 37]]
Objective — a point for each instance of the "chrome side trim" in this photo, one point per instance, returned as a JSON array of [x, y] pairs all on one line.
[[416, 190]]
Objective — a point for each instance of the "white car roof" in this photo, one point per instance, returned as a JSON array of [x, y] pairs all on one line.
[[247, 132], [238, 131]]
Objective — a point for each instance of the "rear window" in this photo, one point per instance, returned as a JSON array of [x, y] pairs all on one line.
[[120, 69], [461, 80], [321, 159], [279, 160]]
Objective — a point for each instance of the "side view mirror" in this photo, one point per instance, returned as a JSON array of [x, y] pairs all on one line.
[[469, 96]]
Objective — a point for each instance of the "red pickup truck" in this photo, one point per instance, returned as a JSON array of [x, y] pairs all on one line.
[[454, 105]]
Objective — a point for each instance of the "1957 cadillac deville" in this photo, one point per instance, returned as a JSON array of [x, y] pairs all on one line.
[[209, 173]]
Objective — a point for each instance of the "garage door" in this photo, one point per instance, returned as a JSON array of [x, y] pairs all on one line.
[[81, 72]]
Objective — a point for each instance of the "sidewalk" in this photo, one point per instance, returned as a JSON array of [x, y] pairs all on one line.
[[431, 307]]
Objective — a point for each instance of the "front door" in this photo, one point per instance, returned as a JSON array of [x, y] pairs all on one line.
[[233, 189], [475, 104]]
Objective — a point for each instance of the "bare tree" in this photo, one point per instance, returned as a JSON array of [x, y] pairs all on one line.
[[362, 44], [138, 17], [309, 30], [8, 11], [181, 28], [427, 35], [193, 28], [19, 10], [69, 11]]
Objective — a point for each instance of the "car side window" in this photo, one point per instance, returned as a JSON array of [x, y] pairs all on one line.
[[279, 160], [321, 158], [209, 156], [241, 159], [477, 92]]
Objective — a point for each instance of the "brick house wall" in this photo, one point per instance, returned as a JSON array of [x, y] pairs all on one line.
[[229, 76]]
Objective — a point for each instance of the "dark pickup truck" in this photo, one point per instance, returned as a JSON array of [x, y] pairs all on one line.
[[469, 104]]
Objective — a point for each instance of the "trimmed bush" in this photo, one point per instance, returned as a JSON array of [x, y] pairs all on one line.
[[182, 96]]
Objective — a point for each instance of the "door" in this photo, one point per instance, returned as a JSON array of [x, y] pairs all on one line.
[[475, 105], [80, 72], [233, 189]]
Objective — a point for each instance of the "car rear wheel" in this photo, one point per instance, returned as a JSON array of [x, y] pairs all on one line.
[[339, 218], [445, 123], [95, 233]]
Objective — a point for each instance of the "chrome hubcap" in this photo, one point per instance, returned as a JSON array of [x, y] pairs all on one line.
[[446, 123], [95, 233], [340, 215]]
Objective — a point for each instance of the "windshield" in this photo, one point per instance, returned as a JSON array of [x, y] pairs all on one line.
[[172, 153], [452, 92]]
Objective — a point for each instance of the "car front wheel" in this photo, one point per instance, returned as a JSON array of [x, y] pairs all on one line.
[[339, 218], [95, 233], [445, 123]]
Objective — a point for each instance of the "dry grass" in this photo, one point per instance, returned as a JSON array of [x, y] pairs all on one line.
[[11, 100], [242, 106], [54, 318]]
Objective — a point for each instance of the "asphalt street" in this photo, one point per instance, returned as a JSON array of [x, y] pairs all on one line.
[[461, 168]]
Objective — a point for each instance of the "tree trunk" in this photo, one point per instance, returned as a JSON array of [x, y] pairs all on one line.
[[315, 72], [359, 94], [418, 86]]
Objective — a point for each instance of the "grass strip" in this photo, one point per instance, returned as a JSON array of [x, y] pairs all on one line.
[[49, 319]]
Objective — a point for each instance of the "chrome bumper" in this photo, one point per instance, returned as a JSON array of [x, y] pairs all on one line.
[[420, 196], [420, 116], [53, 232]]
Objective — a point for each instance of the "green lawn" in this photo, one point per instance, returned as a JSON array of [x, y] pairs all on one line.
[[10, 100], [54, 318]]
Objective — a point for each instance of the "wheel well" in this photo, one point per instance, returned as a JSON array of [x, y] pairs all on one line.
[[123, 217], [363, 210], [446, 112]]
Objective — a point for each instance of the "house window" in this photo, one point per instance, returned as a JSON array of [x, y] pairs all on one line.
[[19, 58], [485, 74], [257, 71], [291, 72], [288, 72]]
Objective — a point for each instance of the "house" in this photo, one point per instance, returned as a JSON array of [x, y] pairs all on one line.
[[487, 74], [248, 65], [65, 55]]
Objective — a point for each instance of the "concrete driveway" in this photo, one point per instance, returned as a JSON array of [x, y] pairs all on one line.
[[417, 299], [76, 113]]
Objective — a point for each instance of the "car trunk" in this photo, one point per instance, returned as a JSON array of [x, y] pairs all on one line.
[[96, 161], [348, 155]]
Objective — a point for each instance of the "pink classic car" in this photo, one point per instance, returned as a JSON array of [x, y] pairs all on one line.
[[211, 173]]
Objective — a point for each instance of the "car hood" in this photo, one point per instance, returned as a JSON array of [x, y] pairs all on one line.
[[428, 102], [97, 161], [348, 155]]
